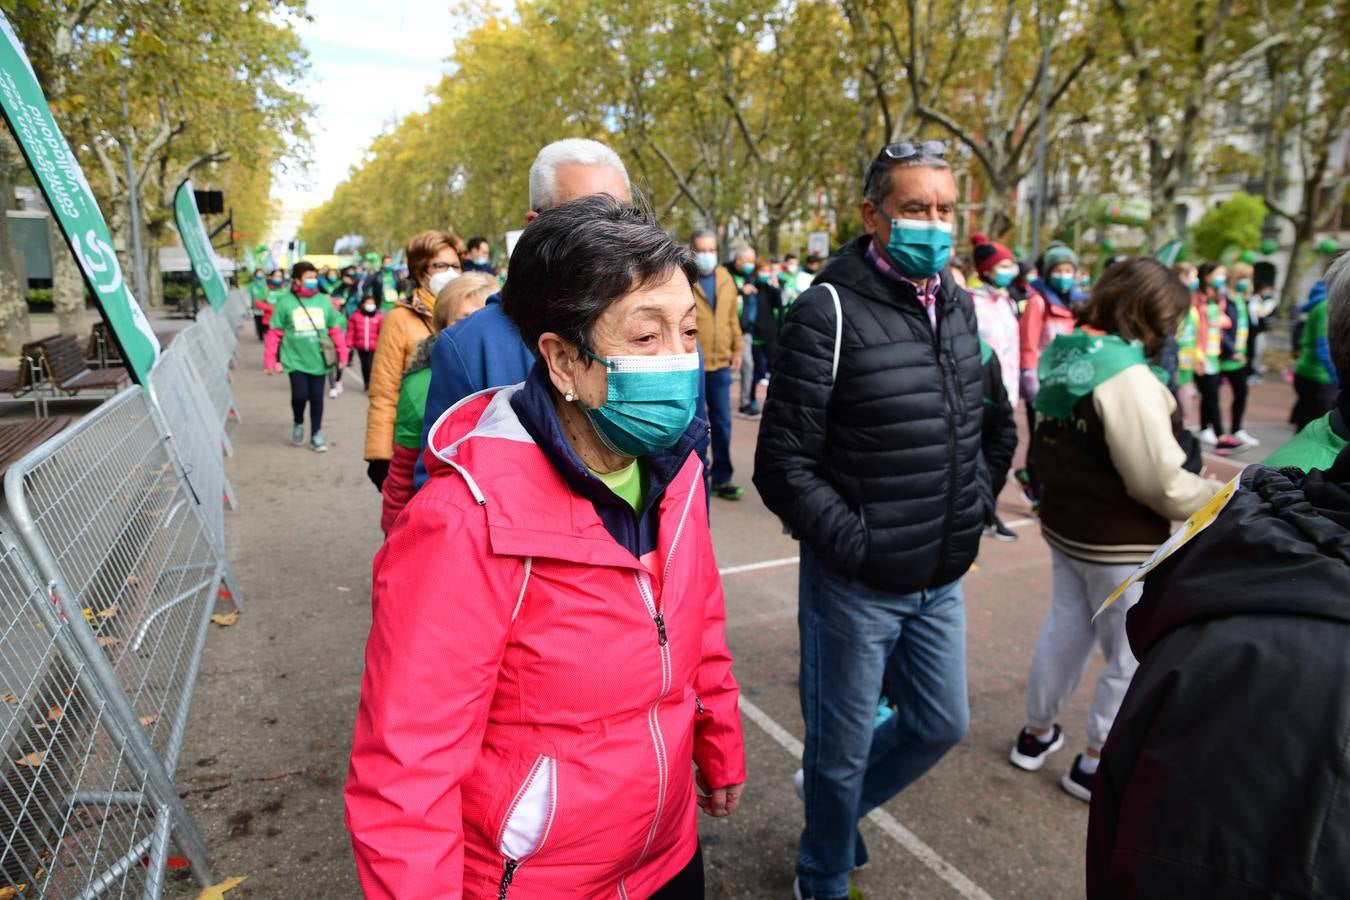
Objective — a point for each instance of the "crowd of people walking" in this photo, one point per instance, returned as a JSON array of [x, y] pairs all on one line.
[[547, 442]]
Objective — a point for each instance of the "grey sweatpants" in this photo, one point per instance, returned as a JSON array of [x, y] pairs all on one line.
[[747, 374], [1067, 638]]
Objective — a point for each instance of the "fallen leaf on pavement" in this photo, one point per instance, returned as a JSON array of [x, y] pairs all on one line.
[[345, 590], [109, 641], [109, 612], [9, 698], [147, 721], [226, 618], [217, 891], [53, 714], [9, 891], [33, 759]]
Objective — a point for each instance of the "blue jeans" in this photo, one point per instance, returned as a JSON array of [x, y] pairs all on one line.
[[718, 383], [851, 636]]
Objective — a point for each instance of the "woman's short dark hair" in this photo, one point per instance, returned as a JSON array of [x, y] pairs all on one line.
[[1140, 300], [1207, 269], [575, 260], [301, 269]]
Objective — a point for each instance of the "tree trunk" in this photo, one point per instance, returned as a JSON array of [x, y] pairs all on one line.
[[996, 220], [67, 283], [15, 329], [772, 227], [1290, 294], [154, 298]]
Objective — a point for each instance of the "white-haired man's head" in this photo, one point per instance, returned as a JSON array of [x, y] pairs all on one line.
[[572, 168]]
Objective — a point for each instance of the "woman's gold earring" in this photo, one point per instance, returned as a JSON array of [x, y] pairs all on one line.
[[569, 396]]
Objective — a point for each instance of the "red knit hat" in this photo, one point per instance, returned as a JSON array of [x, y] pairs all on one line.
[[986, 253]]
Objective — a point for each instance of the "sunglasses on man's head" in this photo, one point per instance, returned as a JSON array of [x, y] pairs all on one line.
[[906, 149]]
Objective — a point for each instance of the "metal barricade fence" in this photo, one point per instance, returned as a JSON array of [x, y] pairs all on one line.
[[195, 433], [205, 355], [76, 807], [108, 514]]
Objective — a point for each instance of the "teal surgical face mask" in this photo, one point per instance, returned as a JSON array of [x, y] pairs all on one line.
[[1003, 277], [1243, 286], [707, 261], [920, 247], [649, 401], [1063, 284], [1219, 282], [1193, 285]]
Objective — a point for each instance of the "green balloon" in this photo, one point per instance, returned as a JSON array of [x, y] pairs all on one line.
[[1248, 256], [1327, 246], [1106, 245], [1269, 246]]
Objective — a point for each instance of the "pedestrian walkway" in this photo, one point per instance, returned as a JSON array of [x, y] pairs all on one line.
[[266, 750]]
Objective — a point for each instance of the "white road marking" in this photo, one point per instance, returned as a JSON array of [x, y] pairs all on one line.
[[755, 567], [888, 823]]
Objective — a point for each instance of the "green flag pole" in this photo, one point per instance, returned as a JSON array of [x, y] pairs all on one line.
[[72, 203], [201, 255]]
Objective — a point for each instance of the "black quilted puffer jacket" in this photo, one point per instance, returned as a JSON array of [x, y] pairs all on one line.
[[877, 469]]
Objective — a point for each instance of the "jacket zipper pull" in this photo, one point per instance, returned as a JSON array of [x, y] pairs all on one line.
[[508, 872], [698, 705], [660, 628]]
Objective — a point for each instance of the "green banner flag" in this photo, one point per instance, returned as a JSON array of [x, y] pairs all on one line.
[[198, 244], [72, 203]]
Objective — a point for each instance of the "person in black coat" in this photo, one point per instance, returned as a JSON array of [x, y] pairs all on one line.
[[869, 451], [998, 438], [1227, 773]]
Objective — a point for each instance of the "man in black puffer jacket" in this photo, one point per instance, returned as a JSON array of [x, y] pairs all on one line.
[[1227, 772], [869, 450]]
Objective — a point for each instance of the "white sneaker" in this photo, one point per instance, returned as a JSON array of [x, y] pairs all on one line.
[[799, 783], [1207, 436], [332, 393], [1242, 435]]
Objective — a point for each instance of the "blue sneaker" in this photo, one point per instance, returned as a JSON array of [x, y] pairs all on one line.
[[318, 443], [298, 435]]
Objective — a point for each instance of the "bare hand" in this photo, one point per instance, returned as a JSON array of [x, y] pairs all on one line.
[[749, 289], [718, 803], [267, 370]]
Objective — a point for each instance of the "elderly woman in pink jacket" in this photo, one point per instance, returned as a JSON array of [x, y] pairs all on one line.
[[548, 697]]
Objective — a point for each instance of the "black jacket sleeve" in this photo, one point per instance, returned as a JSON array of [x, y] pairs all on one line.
[[790, 458], [998, 439]]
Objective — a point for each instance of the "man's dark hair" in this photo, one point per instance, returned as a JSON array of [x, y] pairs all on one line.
[[475, 242], [877, 183], [575, 260], [1140, 300], [791, 256], [299, 270]]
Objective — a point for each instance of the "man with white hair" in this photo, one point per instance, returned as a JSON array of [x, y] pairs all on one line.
[[485, 350]]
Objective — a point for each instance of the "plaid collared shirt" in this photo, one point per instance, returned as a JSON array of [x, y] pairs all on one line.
[[927, 289]]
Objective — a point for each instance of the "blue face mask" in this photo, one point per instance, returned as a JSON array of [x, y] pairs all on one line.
[[1004, 278], [1193, 285], [1243, 286], [1063, 284], [920, 247], [649, 401], [1219, 282]]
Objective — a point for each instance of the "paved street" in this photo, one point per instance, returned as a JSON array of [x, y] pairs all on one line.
[[266, 751]]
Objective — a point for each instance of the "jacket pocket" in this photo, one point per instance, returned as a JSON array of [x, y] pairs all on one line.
[[528, 820]]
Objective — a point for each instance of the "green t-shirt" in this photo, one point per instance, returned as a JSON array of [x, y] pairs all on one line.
[[1309, 363], [257, 289], [412, 406], [626, 483], [301, 323], [1315, 447]]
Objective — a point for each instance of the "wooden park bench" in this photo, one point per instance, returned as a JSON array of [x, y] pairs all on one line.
[[21, 383], [18, 440], [63, 363]]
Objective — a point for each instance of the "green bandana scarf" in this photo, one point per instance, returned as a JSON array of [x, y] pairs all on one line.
[[1074, 364]]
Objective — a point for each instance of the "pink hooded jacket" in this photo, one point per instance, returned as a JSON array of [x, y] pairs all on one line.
[[534, 695]]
